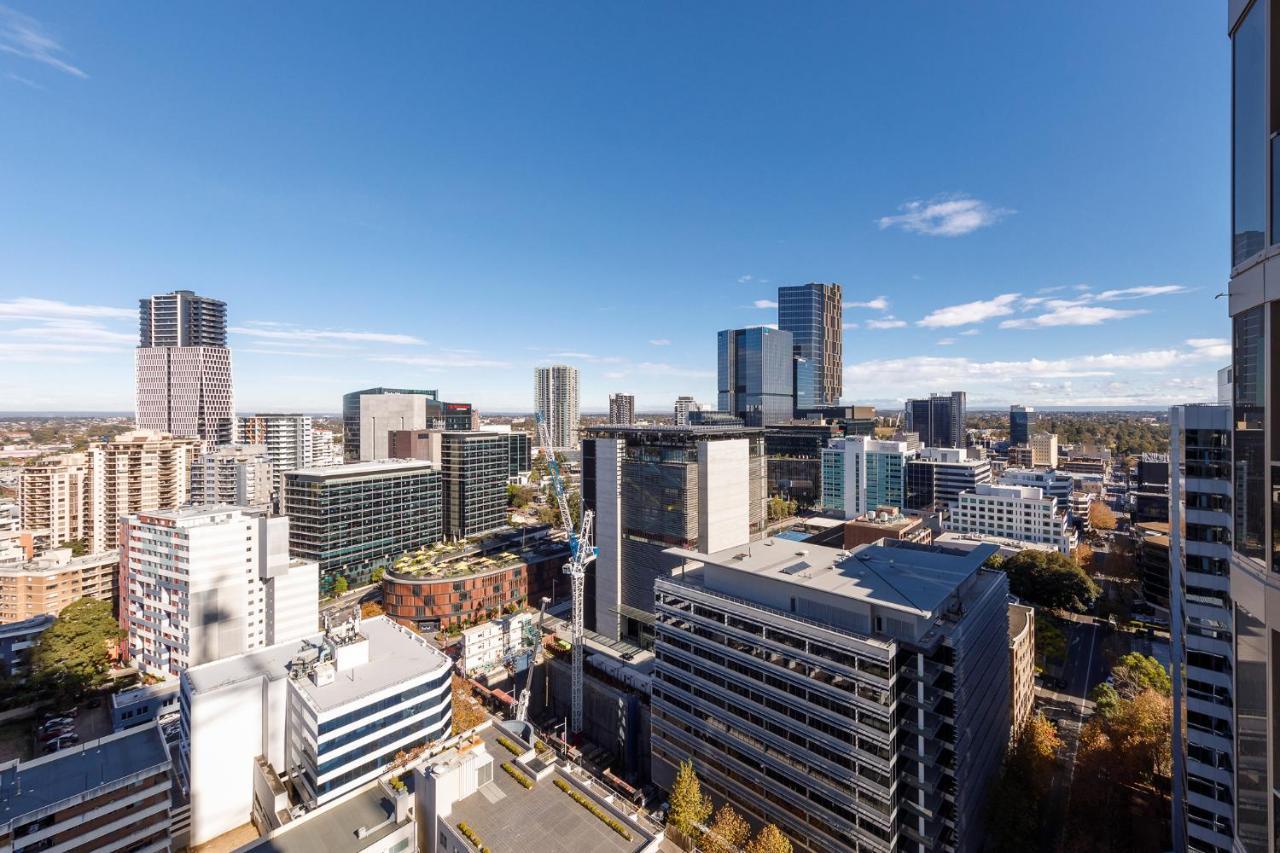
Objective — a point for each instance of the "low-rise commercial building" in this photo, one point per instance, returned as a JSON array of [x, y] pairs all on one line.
[[884, 522], [1022, 513], [860, 702], [354, 518], [102, 795], [328, 714]]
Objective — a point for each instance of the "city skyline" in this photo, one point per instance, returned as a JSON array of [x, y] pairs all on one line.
[[456, 236]]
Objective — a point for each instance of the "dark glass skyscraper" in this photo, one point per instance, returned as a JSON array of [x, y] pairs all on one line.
[[755, 375], [813, 314], [939, 419], [1020, 420]]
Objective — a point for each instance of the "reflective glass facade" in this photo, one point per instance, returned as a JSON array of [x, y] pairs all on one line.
[[813, 314], [755, 375], [1249, 135]]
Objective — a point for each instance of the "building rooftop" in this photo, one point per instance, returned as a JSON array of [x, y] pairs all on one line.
[[666, 431], [396, 654], [333, 829], [916, 579], [1019, 616], [27, 787], [34, 625], [506, 817], [363, 469], [437, 561]]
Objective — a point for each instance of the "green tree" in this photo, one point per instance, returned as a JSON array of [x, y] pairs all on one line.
[[727, 833], [1049, 579], [340, 585], [690, 808], [72, 657], [1105, 699], [1051, 643], [78, 547], [378, 574], [769, 840], [1136, 672]]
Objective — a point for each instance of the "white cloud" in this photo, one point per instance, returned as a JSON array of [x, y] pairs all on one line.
[[970, 312], [1140, 292], [744, 279], [439, 362], [969, 332], [660, 342], [889, 322], [878, 304], [765, 303], [25, 37], [946, 342], [1071, 314], [311, 335], [26, 308], [945, 216], [1211, 347], [73, 330], [848, 326]]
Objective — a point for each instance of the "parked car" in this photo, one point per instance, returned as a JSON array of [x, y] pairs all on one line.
[[61, 743], [57, 722], [54, 734]]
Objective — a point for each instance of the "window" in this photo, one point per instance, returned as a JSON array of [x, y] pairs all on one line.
[[1249, 135]]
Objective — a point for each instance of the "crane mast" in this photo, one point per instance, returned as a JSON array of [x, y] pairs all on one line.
[[581, 552]]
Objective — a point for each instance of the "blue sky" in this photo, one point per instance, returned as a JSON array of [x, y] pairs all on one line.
[[1025, 201]]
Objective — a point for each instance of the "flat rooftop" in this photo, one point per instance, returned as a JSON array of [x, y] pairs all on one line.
[[542, 819], [33, 785], [332, 829], [916, 579], [395, 655], [444, 561], [364, 469]]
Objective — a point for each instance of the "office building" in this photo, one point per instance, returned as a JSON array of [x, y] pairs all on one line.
[[861, 702], [48, 583], [883, 522], [519, 454], [415, 444], [814, 315], [464, 583], [134, 472], [622, 409], [1020, 513], [17, 639], [53, 500], [1151, 560], [654, 487], [352, 519], [939, 474], [1044, 450], [184, 367], [237, 474], [1201, 626], [1022, 666], [795, 459], [288, 438], [108, 794], [860, 474], [754, 375], [204, 583], [555, 400], [684, 405], [1224, 386], [326, 714], [473, 468], [369, 415], [1054, 484], [1020, 420], [939, 419]]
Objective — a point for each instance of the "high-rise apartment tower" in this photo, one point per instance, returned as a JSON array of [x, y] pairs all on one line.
[[814, 315], [622, 409], [555, 398]]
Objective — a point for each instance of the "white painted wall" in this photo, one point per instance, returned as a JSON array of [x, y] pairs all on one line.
[[724, 495]]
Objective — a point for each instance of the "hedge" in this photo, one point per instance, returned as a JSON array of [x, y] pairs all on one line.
[[472, 837], [517, 775], [606, 818], [510, 746]]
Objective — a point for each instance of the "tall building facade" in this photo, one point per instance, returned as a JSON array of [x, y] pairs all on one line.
[[369, 415], [1255, 325], [288, 438], [53, 500], [860, 702], [1020, 421], [655, 487], [200, 584], [939, 474], [814, 315], [860, 474], [183, 367], [754, 373], [473, 468], [134, 472], [684, 405], [236, 474], [354, 518], [1044, 450], [939, 419], [555, 399], [1201, 626], [622, 409]]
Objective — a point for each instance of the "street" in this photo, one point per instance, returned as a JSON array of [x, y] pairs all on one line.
[[1084, 667]]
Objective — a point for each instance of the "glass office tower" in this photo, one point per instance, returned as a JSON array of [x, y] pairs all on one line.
[[814, 315], [1020, 419], [755, 375]]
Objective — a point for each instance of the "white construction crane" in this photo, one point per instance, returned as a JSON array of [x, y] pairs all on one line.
[[581, 552]]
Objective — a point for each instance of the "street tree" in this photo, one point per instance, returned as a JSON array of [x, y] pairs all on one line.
[[341, 585], [769, 840], [72, 656], [1101, 516], [727, 833], [1136, 672], [1050, 579], [690, 808], [1014, 811]]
